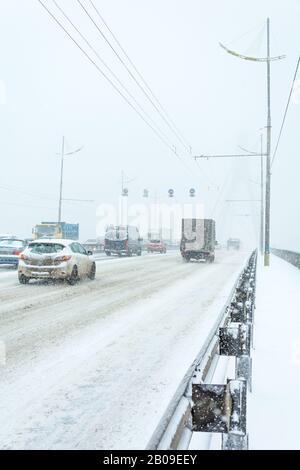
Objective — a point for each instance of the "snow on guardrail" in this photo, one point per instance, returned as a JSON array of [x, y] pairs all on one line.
[[290, 256], [199, 406]]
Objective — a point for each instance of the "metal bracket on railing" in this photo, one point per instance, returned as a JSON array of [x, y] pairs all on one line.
[[238, 313], [211, 409], [220, 408], [243, 370], [235, 340], [233, 441]]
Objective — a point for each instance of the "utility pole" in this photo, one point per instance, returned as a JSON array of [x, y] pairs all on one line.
[[261, 197], [63, 155], [124, 193], [248, 154], [268, 60], [261, 229], [261, 236], [268, 165], [122, 197], [122, 182], [61, 178]]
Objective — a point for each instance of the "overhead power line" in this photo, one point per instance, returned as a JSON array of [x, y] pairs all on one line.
[[131, 74], [35, 195], [286, 110], [109, 69], [139, 74], [207, 178], [18, 204], [25, 192], [173, 150]]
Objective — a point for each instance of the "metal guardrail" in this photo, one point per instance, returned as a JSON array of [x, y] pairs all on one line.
[[190, 408], [290, 256]]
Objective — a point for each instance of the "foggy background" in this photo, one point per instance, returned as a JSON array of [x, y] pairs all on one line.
[[49, 89]]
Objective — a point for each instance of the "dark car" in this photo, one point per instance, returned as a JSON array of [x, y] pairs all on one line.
[[122, 240], [10, 250]]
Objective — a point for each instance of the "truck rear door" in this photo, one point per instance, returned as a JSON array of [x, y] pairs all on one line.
[[193, 233]]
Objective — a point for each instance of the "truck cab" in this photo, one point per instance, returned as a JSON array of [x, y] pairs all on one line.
[[58, 230]]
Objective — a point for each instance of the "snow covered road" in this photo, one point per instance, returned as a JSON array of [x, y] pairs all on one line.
[[94, 366]]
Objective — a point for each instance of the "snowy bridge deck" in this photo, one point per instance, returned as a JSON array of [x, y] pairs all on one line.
[[96, 366]]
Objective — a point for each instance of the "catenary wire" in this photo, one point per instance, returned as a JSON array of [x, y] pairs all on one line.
[[109, 69], [139, 74], [131, 74], [110, 81], [286, 111]]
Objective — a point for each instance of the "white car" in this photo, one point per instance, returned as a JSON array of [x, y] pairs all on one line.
[[56, 259]]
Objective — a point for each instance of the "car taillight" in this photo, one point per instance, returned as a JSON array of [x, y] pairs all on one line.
[[16, 252], [62, 259]]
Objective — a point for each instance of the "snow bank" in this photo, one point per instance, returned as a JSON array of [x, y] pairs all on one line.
[[273, 410]]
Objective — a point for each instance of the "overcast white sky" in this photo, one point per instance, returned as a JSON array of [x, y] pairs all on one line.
[[216, 100]]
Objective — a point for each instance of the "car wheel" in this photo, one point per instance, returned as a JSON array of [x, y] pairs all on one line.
[[92, 273], [108, 253], [187, 259], [139, 253], [74, 276], [23, 279]]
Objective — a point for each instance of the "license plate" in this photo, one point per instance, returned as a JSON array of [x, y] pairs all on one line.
[[40, 273]]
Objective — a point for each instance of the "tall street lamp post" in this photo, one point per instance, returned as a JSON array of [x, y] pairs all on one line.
[[63, 155]]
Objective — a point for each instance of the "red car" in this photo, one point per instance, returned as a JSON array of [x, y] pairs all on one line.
[[156, 246]]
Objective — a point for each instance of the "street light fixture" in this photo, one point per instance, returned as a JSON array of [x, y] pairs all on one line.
[[268, 59], [63, 155], [124, 191]]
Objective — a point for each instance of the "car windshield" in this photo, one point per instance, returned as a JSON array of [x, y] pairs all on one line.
[[154, 241], [45, 230], [12, 243], [45, 248]]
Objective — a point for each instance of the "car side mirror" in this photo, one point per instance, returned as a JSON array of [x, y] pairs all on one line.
[[90, 253]]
